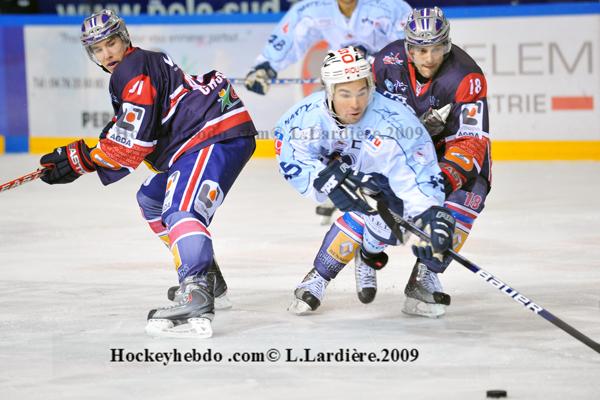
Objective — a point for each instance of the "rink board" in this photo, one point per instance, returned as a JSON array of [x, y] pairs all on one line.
[[543, 85]]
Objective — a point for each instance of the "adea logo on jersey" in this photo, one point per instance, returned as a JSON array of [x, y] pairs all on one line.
[[127, 126], [170, 190], [471, 119], [209, 198]]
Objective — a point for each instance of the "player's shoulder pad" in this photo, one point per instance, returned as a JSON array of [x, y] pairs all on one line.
[[463, 72], [305, 111], [131, 79], [312, 7]]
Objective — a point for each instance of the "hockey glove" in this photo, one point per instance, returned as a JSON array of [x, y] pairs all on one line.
[[258, 80], [435, 120], [67, 163], [341, 183], [439, 224]]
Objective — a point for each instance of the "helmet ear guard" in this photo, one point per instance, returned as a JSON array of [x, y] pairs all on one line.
[[344, 65], [427, 27], [101, 26]]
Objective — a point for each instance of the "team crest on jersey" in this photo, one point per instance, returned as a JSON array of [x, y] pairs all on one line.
[[393, 59], [170, 190], [471, 120], [209, 198], [127, 125], [228, 98]]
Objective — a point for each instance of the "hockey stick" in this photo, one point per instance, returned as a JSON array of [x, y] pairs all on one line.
[[280, 81], [395, 222], [23, 179]]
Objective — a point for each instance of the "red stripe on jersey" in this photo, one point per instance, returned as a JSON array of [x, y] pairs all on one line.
[[413, 81], [187, 226], [195, 176], [139, 90], [472, 87], [213, 130], [157, 226]]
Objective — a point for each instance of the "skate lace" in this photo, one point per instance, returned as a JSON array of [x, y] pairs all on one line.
[[316, 285], [367, 277], [428, 280]]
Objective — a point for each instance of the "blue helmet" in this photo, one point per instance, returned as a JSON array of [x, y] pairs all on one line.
[[427, 27], [100, 26]]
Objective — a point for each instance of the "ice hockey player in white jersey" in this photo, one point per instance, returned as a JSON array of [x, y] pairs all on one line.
[[366, 24], [348, 140]]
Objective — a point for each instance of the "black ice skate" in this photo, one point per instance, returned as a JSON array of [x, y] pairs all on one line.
[[424, 293], [190, 317], [222, 301], [366, 280], [309, 293]]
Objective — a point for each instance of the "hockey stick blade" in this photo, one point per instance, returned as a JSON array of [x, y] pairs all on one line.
[[394, 222], [23, 179]]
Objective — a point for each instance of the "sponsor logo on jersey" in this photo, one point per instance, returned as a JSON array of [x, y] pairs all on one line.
[[342, 248], [170, 190], [228, 98], [471, 119], [278, 141], [373, 141], [393, 59], [209, 198], [127, 126]]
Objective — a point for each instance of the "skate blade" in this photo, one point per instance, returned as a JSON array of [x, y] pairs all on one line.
[[299, 307], [223, 302], [421, 309], [196, 328]]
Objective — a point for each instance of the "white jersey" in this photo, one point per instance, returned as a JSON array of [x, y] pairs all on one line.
[[388, 139], [373, 24]]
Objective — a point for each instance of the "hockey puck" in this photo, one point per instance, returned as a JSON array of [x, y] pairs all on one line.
[[496, 394]]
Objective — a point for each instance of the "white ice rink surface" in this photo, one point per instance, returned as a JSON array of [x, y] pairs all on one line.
[[79, 270]]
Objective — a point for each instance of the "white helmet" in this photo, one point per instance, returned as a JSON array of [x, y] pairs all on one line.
[[345, 65], [100, 26], [427, 27]]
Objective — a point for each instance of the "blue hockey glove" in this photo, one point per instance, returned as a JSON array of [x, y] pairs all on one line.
[[439, 224], [259, 79]]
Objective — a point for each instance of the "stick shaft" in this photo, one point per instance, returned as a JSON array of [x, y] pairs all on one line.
[[395, 223], [279, 81]]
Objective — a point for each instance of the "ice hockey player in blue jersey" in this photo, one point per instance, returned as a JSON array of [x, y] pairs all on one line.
[[347, 140], [193, 131], [365, 24], [447, 89]]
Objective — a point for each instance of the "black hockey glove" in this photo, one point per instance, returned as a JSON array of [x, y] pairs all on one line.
[[435, 120], [258, 80], [341, 183], [346, 187], [67, 163], [439, 224]]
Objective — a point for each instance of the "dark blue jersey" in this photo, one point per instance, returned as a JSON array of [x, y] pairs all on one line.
[[162, 113], [463, 147]]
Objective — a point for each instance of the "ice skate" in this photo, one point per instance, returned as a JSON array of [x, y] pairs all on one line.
[[326, 211], [366, 279], [309, 294], [424, 294], [191, 317], [222, 301]]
